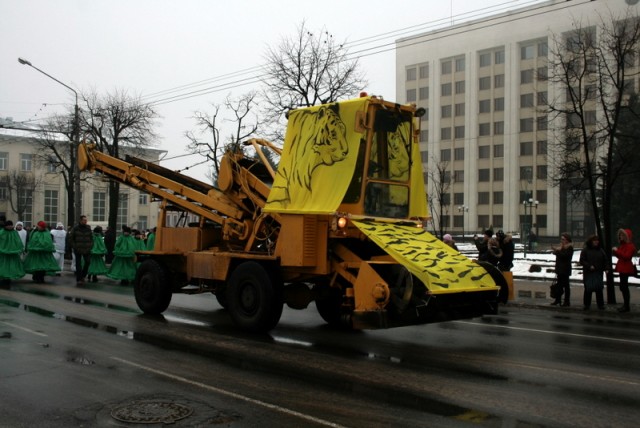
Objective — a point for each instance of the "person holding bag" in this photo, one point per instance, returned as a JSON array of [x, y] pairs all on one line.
[[564, 255], [625, 268], [594, 263]]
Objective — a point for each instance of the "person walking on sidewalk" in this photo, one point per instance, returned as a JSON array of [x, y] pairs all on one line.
[[564, 255], [81, 241], [625, 268], [594, 263]]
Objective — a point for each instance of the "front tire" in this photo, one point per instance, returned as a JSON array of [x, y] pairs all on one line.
[[152, 288], [254, 298]]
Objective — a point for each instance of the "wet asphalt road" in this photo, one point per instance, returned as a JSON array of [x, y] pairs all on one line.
[[87, 357]]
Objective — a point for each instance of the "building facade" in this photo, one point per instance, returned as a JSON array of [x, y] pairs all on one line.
[[484, 86], [37, 191]]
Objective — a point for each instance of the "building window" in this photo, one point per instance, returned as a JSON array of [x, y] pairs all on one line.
[[541, 220], [460, 87], [460, 109], [445, 133], [526, 173], [483, 221], [498, 128], [541, 123], [123, 210], [423, 93], [446, 197], [99, 206], [541, 196], [458, 198], [4, 160], [459, 132], [499, 57], [458, 221], [424, 156], [527, 52], [445, 67], [51, 164], [51, 206], [445, 221], [445, 89], [498, 198], [143, 198], [526, 124], [485, 59], [497, 220], [526, 100], [143, 222], [424, 71], [445, 111], [498, 151], [498, 174], [445, 155], [526, 148], [484, 152], [483, 198], [411, 73], [484, 174], [460, 64], [458, 176], [542, 74], [543, 49], [411, 95], [3, 193], [541, 147], [484, 129], [485, 106], [25, 199], [498, 81], [424, 135], [541, 172], [541, 98], [484, 83], [458, 153], [526, 76], [26, 162], [498, 104]]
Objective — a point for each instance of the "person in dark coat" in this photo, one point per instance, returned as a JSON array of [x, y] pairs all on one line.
[[594, 263], [564, 255], [482, 244], [625, 252], [81, 242], [109, 243], [508, 249]]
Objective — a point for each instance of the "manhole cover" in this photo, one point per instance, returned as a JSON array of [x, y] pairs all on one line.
[[151, 412]]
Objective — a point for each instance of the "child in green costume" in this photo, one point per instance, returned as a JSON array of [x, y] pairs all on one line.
[[123, 266], [11, 248], [97, 265], [40, 260]]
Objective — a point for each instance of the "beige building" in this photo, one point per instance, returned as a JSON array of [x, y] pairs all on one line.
[[483, 83], [44, 196]]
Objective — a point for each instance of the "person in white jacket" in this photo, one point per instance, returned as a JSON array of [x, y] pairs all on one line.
[[59, 242], [22, 232]]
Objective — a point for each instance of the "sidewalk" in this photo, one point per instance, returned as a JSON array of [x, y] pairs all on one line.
[[535, 293]]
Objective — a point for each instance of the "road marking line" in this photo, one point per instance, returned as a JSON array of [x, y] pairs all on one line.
[[535, 330], [28, 330], [231, 394]]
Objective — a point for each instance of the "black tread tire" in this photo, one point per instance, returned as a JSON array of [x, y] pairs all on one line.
[[499, 279], [329, 306], [152, 288], [254, 298], [221, 297]]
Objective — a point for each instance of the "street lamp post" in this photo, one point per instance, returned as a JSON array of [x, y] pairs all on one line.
[[462, 209], [531, 203], [76, 140]]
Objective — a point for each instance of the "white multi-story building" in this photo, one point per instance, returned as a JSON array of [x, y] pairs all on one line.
[[45, 197], [484, 86]]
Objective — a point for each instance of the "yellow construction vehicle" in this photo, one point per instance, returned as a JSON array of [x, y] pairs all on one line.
[[339, 222]]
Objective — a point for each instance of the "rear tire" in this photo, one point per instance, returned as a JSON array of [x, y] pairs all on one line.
[[499, 279], [254, 298], [152, 288], [329, 306]]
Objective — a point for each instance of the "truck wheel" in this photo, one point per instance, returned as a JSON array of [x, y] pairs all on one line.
[[329, 306], [499, 279], [221, 297], [152, 288], [254, 298]]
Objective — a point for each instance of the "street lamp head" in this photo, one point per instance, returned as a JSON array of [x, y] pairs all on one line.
[[23, 61]]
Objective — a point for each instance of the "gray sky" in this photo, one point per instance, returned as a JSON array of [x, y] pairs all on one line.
[[148, 46]]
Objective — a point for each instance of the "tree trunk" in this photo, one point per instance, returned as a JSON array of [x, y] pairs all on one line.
[[114, 201]]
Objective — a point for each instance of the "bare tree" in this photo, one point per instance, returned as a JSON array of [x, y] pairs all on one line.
[[440, 182], [208, 142], [20, 189], [118, 121], [594, 66], [306, 70]]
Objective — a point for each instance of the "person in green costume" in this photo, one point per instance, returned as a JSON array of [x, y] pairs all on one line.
[[40, 260], [11, 266], [123, 266], [97, 265], [140, 244], [151, 240]]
